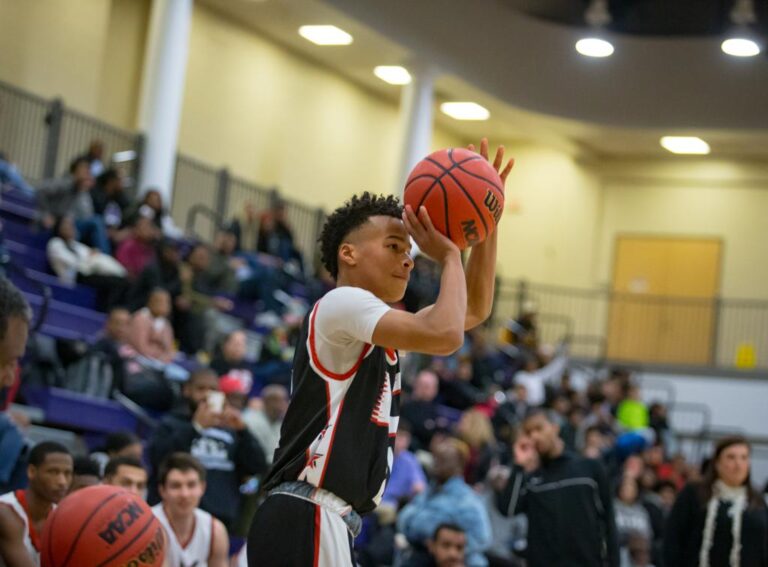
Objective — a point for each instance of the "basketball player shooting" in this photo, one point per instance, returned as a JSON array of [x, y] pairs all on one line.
[[337, 439]]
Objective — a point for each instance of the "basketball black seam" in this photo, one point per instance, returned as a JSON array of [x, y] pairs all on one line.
[[85, 524], [151, 520], [445, 208], [475, 175], [467, 195]]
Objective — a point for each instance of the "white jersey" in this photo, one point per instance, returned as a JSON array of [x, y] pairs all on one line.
[[192, 553], [16, 501]]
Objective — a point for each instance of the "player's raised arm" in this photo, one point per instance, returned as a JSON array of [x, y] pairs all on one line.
[[481, 266], [440, 329]]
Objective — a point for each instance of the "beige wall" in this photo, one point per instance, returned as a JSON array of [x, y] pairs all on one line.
[[86, 51], [283, 121], [712, 198]]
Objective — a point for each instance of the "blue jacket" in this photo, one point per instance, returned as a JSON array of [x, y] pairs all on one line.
[[456, 503]]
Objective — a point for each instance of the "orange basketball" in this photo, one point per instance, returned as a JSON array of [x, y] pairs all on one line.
[[462, 192], [102, 526]]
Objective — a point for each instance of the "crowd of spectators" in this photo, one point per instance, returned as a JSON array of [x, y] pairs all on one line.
[[481, 432]]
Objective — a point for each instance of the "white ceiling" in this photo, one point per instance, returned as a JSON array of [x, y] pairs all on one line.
[[527, 73]]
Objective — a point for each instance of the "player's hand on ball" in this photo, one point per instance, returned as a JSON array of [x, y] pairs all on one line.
[[430, 241], [497, 161]]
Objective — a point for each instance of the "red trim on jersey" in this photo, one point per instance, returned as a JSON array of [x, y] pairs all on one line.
[[21, 496], [316, 359], [330, 445], [317, 536]]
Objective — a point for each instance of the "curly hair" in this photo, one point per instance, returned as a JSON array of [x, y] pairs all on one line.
[[347, 218]]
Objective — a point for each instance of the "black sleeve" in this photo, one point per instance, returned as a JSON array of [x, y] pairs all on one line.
[[678, 526], [609, 516], [249, 456], [513, 499]]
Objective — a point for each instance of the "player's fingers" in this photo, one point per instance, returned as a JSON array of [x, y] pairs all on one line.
[[505, 173], [484, 148], [413, 224], [471, 147], [425, 220], [499, 158]]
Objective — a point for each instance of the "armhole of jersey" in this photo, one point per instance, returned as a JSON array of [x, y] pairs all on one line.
[[315, 359], [213, 537]]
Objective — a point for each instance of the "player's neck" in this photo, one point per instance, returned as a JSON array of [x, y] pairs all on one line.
[[182, 523], [37, 507], [348, 279]]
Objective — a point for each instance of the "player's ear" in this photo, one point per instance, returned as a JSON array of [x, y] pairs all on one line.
[[347, 254]]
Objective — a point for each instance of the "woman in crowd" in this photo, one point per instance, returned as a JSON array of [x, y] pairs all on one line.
[[74, 262], [721, 521]]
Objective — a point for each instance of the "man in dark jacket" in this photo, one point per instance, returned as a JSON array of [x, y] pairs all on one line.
[[218, 439], [566, 497]]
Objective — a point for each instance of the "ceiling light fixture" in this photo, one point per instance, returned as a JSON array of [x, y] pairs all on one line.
[[741, 42], [393, 74], [685, 145], [325, 35], [465, 111], [597, 17]]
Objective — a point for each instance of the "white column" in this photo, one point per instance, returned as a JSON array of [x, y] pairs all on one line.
[[162, 92], [416, 120]]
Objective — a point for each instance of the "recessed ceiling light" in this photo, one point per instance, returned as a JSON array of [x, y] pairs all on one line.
[[594, 47], [325, 35], [740, 47], [393, 74], [465, 111], [685, 145]]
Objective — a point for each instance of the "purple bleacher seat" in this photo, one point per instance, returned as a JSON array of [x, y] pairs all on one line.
[[80, 295], [26, 256], [83, 323], [78, 411], [18, 197], [25, 233], [23, 213]]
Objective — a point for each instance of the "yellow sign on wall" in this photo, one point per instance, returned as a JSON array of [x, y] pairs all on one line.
[[746, 357]]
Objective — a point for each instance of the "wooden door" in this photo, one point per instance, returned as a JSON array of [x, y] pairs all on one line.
[[663, 300]]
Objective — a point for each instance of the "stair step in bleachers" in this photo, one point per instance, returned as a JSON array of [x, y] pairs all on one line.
[[79, 295], [78, 411], [68, 321]]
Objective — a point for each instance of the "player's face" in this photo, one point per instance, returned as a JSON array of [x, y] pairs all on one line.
[[182, 491], [133, 479], [448, 548], [51, 479], [384, 257], [12, 349]]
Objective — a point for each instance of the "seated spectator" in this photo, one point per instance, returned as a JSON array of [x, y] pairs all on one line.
[[422, 411], [447, 547], [162, 273], [407, 478], [246, 228], [71, 195], [474, 429], [456, 389], [448, 500], [235, 388], [632, 413], [217, 437], [631, 515], [276, 237], [10, 176], [118, 444], [220, 274], [229, 357], [111, 203], [196, 300], [95, 156], [74, 262], [638, 551], [85, 472], [265, 422], [151, 332], [138, 251], [511, 412], [127, 472], [151, 207]]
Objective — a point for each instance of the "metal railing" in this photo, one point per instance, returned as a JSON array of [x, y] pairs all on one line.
[[42, 136], [642, 328]]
